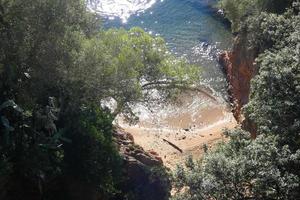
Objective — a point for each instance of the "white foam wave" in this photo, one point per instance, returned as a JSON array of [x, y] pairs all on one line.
[[119, 8]]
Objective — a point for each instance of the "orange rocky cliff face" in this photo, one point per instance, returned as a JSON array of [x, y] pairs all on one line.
[[240, 68]]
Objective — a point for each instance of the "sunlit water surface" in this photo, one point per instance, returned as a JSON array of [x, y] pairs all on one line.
[[190, 28]]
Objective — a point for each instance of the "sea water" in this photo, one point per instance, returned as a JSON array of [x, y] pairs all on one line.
[[190, 28]]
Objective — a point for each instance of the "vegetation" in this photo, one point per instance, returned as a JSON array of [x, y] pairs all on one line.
[[267, 167], [241, 169], [238, 10], [274, 104], [126, 66], [57, 65]]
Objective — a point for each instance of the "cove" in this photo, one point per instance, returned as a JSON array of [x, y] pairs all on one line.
[[191, 30], [189, 27]]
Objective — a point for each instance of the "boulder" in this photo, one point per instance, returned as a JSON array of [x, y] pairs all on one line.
[[147, 178]]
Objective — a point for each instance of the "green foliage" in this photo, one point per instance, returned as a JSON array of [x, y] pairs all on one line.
[[154, 184], [274, 102], [38, 47], [241, 169], [91, 157], [267, 167], [34, 48], [270, 30], [238, 10], [58, 65], [125, 65], [60, 51], [30, 148]]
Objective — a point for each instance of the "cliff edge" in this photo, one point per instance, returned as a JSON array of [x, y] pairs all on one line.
[[239, 66]]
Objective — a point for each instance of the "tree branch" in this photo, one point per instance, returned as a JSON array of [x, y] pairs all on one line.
[[179, 85]]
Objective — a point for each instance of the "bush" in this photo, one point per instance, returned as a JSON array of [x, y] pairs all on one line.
[[238, 10], [267, 167], [241, 169], [274, 102], [90, 156]]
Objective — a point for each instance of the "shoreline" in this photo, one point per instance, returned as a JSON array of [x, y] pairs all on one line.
[[189, 128]]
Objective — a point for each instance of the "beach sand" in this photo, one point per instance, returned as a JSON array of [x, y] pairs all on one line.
[[196, 121]]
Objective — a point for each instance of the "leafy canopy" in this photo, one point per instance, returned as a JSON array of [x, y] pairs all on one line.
[[238, 10], [241, 169], [274, 102], [126, 65], [56, 67]]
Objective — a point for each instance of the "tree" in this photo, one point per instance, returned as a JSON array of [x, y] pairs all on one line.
[[37, 48], [237, 11], [36, 45], [274, 101], [241, 169], [127, 66], [267, 167], [90, 157], [57, 65]]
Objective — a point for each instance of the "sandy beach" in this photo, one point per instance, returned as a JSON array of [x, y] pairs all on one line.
[[196, 121]]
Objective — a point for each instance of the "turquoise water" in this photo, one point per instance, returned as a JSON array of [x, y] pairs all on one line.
[[189, 27]]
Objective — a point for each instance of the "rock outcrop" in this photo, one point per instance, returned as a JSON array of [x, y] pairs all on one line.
[[240, 68], [146, 176], [130, 151]]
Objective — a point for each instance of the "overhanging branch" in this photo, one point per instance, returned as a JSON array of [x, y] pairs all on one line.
[[178, 85]]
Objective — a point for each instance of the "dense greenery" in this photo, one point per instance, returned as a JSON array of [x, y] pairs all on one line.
[[267, 167], [238, 10], [242, 169], [56, 68], [90, 156], [274, 103], [126, 65]]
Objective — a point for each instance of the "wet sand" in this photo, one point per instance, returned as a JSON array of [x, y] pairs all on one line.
[[196, 121]]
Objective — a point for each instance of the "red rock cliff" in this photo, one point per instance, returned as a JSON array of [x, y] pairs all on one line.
[[240, 68]]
